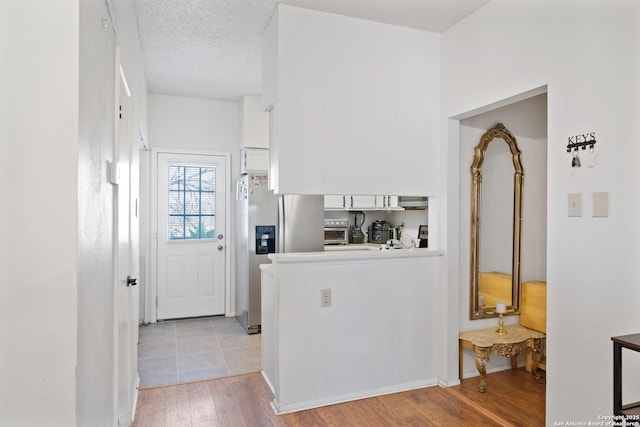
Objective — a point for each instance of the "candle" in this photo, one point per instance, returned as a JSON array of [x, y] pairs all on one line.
[[481, 300], [501, 307]]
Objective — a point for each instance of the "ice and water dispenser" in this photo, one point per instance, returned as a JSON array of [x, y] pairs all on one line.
[[265, 239]]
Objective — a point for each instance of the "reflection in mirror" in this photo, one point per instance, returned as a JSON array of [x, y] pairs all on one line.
[[496, 204], [496, 211]]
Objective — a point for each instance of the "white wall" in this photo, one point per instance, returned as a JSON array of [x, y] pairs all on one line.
[[377, 337], [586, 52], [356, 104], [96, 304], [56, 305], [527, 121], [38, 187], [195, 124]]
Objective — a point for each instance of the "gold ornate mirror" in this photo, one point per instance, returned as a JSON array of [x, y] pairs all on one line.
[[496, 215]]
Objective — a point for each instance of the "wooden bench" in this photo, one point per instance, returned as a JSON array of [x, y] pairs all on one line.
[[533, 315]]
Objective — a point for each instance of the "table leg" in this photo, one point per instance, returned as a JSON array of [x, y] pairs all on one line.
[[536, 349], [460, 360], [617, 378], [482, 355]]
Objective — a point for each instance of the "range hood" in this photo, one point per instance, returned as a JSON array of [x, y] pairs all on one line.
[[413, 202]]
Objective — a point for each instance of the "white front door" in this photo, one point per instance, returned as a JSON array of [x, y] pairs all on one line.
[[191, 248], [126, 248]]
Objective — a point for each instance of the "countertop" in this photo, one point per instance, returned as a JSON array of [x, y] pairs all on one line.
[[353, 252]]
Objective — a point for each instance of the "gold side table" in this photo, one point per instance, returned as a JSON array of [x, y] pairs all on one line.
[[486, 341]]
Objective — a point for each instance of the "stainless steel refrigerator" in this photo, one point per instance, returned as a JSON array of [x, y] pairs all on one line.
[[268, 223]]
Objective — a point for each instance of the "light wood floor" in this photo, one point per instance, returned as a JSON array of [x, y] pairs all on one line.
[[513, 398]]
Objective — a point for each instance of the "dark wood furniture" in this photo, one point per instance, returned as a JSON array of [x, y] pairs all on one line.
[[631, 342]]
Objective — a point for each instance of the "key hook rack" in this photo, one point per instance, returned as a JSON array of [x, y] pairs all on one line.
[[576, 145]]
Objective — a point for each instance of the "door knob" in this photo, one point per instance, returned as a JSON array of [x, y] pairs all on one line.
[[220, 247], [131, 281]]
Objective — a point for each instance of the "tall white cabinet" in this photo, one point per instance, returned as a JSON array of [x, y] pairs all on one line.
[[354, 104]]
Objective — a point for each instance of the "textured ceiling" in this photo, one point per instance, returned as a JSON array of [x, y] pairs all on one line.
[[211, 48]]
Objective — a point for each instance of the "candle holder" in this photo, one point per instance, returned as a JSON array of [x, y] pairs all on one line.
[[501, 330], [501, 309]]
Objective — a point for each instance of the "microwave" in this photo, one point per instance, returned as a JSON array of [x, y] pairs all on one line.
[[336, 232]]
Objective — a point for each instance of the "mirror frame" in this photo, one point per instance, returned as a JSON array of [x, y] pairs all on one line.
[[498, 131]]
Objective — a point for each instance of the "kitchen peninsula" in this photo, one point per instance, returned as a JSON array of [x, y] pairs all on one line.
[[345, 325]]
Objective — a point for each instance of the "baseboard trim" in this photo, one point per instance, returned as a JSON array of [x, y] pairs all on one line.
[[332, 400], [134, 407], [445, 384]]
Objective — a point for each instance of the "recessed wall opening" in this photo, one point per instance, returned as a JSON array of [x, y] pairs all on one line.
[[525, 115]]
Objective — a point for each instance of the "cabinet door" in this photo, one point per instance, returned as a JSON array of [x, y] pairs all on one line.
[[254, 159], [387, 202], [392, 202], [334, 201], [362, 202]]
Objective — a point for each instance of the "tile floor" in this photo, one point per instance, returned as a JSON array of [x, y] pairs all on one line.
[[186, 350]]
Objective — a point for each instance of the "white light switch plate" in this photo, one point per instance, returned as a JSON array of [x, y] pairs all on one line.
[[601, 204], [575, 204]]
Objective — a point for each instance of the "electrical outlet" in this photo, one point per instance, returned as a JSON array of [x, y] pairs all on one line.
[[325, 297]]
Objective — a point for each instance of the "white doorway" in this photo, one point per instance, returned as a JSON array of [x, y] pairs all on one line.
[[125, 174], [191, 262]]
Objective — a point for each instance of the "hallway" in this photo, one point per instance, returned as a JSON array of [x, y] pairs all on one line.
[[176, 351]]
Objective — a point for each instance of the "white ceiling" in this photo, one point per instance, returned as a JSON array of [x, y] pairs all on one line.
[[211, 48]]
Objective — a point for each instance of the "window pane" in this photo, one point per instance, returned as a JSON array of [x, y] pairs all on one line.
[[176, 227], [175, 178], [208, 201], [208, 179], [208, 227], [192, 227], [192, 178], [191, 202], [192, 205], [176, 202]]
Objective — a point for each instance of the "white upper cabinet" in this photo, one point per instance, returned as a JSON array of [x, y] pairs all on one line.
[[254, 123], [334, 201], [357, 105], [254, 159], [360, 202], [387, 202]]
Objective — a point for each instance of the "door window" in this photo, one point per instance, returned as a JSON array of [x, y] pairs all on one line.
[[192, 202]]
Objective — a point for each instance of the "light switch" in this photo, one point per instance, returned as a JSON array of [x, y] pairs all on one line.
[[601, 204], [575, 204]]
